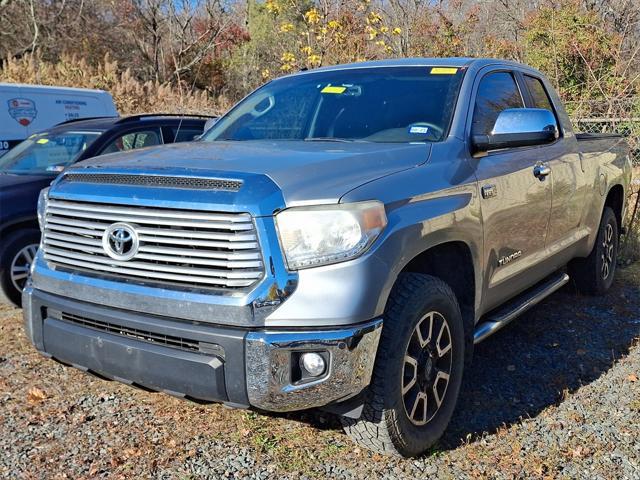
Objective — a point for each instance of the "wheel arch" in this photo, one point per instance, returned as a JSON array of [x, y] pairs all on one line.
[[615, 200], [453, 263], [19, 224]]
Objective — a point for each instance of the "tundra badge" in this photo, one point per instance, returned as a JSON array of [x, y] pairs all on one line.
[[504, 260]]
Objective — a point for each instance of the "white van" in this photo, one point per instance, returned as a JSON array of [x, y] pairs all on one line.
[[27, 109]]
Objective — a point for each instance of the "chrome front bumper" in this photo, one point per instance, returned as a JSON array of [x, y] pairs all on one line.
[[238, 367], [351, 352]]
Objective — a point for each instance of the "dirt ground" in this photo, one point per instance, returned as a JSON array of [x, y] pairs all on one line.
[[556, 394]]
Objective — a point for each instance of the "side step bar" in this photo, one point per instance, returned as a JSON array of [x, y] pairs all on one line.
[[518, 306]]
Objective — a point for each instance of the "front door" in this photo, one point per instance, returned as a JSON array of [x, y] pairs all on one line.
[[515, 203]]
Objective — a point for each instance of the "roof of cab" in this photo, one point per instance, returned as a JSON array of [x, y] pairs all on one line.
[[414, 62]]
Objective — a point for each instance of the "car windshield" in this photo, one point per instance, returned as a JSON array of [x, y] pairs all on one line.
[[376, 104], [46, 153]]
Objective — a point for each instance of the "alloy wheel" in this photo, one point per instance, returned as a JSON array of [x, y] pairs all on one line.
[[21, 264], [607, 256], [427, 368]]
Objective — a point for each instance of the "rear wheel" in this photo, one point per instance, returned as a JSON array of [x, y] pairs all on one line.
[[18, 252], [418, 370], [594, 275]]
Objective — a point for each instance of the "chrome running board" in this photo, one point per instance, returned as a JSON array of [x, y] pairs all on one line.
[[519, 305]]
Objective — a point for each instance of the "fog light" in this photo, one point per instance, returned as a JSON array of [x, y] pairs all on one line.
[[313, 363]]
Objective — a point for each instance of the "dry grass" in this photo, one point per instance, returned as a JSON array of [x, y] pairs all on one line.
[[130, 94]]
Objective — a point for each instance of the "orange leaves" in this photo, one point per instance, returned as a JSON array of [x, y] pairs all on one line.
[[36, 395]]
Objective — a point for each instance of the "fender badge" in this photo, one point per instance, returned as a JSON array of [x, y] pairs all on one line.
[[509, 258]]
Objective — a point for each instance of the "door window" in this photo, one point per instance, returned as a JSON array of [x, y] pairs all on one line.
[[538, 93], [182, 134], [133, 140], [497, 92]]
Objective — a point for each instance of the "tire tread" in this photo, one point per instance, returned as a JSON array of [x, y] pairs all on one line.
[[377, 428]]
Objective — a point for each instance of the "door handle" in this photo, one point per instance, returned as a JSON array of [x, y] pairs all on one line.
[[541, 171]]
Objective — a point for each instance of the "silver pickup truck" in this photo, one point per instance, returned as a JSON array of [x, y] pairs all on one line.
[[340, 239]]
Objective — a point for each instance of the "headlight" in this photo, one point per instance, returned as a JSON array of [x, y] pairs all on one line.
[[324, 234], [42, 206]]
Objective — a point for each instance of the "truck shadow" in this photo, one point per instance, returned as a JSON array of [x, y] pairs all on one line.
[[564, 343]]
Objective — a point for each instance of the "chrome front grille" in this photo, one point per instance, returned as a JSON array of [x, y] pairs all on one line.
[[183, 247]]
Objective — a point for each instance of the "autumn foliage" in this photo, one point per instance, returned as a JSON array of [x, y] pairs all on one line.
[[216, 51]]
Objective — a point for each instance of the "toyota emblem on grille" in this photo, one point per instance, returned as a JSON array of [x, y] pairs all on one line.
[[120, 241]]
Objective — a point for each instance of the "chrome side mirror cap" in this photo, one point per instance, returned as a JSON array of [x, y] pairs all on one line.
[[524, 120], [518, 127]]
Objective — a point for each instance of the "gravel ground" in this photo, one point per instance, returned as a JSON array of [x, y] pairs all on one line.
[[554, 395]]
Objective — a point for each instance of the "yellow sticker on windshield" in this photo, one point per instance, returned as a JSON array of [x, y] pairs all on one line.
[[42, 141], [332, 89], [443, 71]]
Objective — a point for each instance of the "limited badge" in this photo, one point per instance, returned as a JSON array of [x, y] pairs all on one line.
[[22, 110]]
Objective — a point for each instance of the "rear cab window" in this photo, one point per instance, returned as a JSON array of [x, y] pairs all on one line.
[[539, 96], [538, 93]]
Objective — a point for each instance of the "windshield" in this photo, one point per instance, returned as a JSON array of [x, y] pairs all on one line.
[[383, 104], [46, 153]]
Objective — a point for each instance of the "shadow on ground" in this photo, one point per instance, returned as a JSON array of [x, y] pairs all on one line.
[[567, 341]]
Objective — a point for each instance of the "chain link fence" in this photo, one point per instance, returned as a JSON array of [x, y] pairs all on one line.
[[621, 115]]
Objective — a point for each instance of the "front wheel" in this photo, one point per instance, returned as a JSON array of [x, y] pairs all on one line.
[[594, 275], [418, 370], [18, 252]]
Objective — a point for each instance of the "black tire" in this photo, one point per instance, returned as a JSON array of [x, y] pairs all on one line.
[[386, 425], [13, 244], [588, 274]]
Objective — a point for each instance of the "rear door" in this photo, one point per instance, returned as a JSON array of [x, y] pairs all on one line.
[[515, 204], [566, 176]]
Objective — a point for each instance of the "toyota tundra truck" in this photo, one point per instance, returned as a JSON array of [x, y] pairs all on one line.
[[340, 239]]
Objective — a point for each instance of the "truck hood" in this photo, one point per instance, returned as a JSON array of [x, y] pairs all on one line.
[[318, 172]]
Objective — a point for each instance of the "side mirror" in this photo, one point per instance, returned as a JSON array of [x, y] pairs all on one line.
[[517, 127]]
